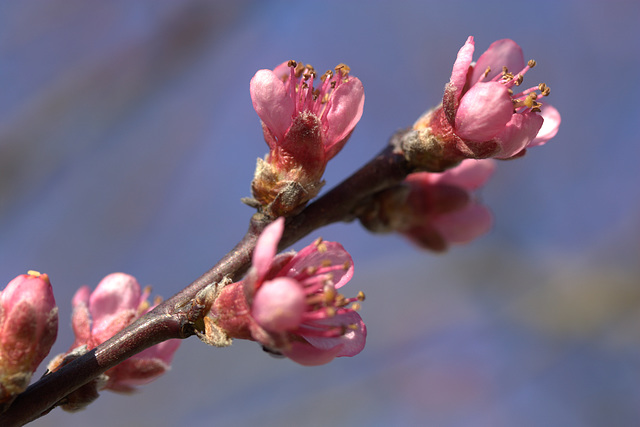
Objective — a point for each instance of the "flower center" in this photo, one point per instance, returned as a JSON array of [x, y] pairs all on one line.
[[323, 301], [306, 97], [527, 99]]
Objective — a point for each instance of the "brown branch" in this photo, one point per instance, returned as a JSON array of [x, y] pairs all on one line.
[[173, 319]]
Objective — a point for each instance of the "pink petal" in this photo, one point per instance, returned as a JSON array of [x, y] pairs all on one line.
[[470, 174], [453, 89], [484, 111], [501, 53], [307, 355], [282, 71], [549, 127], [80, 317], [81, 296], [347, 104], [464, 225], [518, 134], [114, 293], [311, 257], [279, 304], [267, 247], [163, 351], [272, 102], [351, 343], [113, 304]]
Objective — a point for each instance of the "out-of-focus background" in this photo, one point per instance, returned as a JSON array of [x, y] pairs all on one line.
[[127, 138]]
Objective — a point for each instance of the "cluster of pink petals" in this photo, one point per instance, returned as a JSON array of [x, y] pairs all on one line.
[[442, 208], [300, 121], [304, 127], [115, 303], [480, 111], [289, 302], [28, 329]]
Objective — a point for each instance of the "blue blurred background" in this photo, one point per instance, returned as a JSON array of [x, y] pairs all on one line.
[[127, 138]]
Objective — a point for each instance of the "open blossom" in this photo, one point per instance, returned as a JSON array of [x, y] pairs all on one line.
[[435, 210], [304, 127], [115, 303], [28, 329], [290, 303], [481, 116]]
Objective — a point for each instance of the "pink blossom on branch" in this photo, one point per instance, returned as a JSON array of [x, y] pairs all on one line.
[[305, 127], [481, 116], [28, 329], [458, 218], [115, 303], [290, 303], [434, 210]]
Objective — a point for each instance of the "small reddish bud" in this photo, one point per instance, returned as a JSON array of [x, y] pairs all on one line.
[[28, 329]]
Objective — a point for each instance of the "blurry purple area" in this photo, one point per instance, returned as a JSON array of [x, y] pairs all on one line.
[[127, 137]]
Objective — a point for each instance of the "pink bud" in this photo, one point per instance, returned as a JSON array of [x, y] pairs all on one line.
[[279, 304], [28, 329], [115, 303]]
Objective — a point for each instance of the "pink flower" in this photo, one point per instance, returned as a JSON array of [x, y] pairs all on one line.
[[97, 316], [434, 210], [481, 115], [289, 302], [28, 329], [443, 210], [304, 127]]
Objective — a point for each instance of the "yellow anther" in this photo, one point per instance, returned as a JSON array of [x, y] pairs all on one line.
[[325, 263], [346, 265], [361, 296], [329, 294], [518, 79], [356, 306], [544, 89], [342, 68], [34, 273], [321, 246], [531, 63]]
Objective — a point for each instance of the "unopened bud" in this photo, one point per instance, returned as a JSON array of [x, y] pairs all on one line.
[[28, 329]]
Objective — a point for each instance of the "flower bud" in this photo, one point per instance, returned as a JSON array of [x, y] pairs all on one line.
[[28, 329], [434, 210], [115, 303]]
